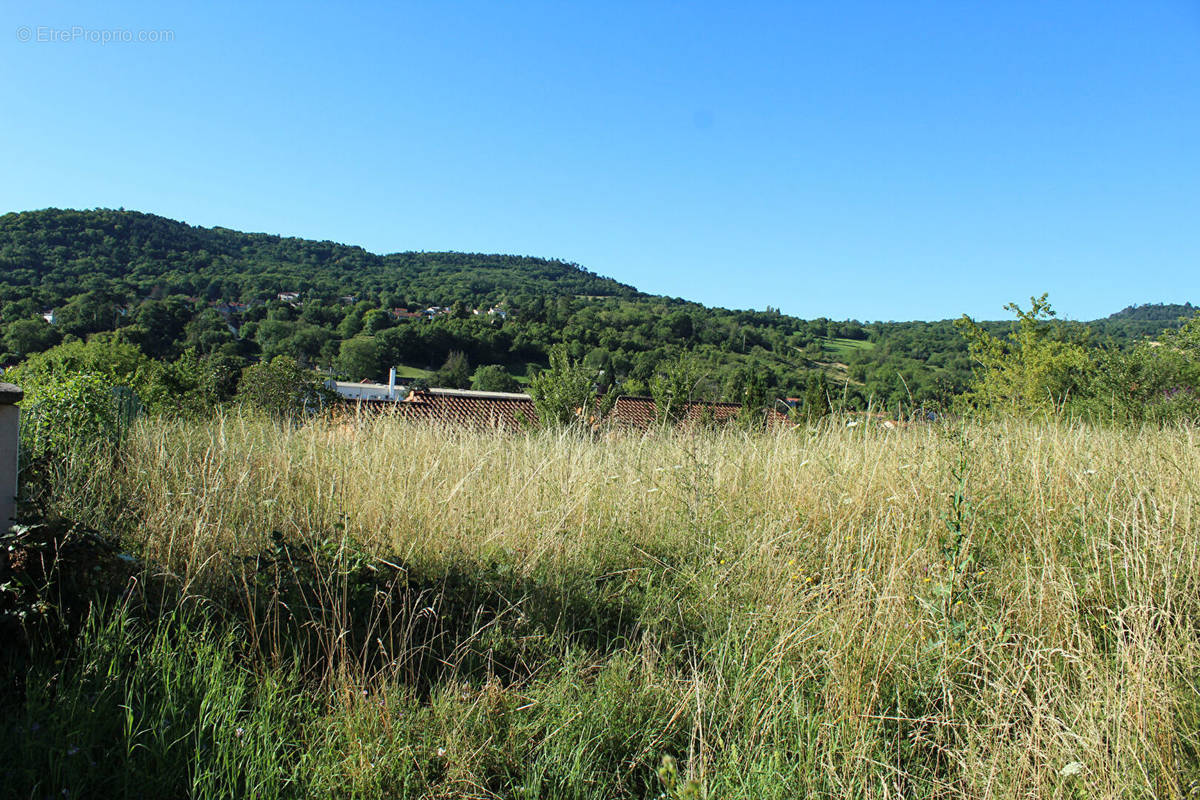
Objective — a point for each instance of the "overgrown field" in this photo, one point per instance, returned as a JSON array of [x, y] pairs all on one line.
[[1003, 609]]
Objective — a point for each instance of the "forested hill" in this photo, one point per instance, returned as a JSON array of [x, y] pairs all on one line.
[[455, 319], [58, 253]]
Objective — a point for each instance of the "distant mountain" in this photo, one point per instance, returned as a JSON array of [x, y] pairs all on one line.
[[169, 288], [62, 252], [1155, 312]]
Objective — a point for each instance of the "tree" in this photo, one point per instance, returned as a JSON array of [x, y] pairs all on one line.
[[674, 388], [375, 321], [750, 389], [1036, 369], [494, 378], [359, 358], [282, 388], [455, 372], [27, 336], [566, 394], [816, 396]]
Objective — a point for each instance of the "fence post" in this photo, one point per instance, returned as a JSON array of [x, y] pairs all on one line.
[[10, 420]]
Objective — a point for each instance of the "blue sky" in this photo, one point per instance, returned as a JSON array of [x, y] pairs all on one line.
[[869, 160]]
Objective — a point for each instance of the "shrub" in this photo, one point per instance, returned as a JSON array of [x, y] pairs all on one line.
[[1036, 369], [567, 394], [494, 378], [283, 389], [674, 388]]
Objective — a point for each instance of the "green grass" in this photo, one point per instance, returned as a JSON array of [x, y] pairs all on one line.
[[405, 371], [931, 612], [841, 349]]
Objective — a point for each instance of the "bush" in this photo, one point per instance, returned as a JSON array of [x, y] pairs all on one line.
[[77, 413], [494, 378], [283, 389], [674, 389], [566, 394], [1036, 369]]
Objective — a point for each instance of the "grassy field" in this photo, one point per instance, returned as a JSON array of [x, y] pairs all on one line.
[[404, 371], [381, 609], [844, 348]]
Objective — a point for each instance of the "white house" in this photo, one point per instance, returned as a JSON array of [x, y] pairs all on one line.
[[351, 390]]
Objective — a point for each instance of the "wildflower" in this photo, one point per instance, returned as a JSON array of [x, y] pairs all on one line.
[[441, 752], [238, 733]]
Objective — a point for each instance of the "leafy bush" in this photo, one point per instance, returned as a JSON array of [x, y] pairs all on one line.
[[75, 414], [1036, 369], [494, 378], [51, 573], [567, 394], [674, 388], [283, 389]]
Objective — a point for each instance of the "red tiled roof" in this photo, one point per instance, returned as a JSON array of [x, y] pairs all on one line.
[[513, 411]]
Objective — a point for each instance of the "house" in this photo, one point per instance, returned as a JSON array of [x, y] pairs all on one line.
[[289, 297], [369, 390], [226, 309], [404, 313], [49, 317]]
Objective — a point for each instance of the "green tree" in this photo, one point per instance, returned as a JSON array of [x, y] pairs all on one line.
[[283, 389], [674, 388], [375, 321], [494, 378], [455, 373], [27, 336], [567, 393], [1036, 369], [359, 358], [816, 396]]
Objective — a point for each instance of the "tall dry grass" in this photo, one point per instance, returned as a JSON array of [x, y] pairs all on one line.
[[976, 610]]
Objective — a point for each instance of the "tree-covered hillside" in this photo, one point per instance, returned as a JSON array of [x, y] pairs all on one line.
[[229, 299]]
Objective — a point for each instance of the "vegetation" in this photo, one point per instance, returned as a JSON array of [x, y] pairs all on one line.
[[218, 589], [568, 394], [169, 289], [1043, 368], [1004, 608]]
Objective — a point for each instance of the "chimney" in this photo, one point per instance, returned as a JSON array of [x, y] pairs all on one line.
[[392, 384]]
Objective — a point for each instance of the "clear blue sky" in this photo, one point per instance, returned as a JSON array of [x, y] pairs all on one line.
[[870, 160]]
